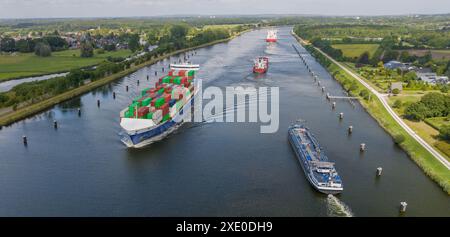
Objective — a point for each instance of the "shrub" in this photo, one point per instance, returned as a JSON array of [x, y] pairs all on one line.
[[395, 91], [397, 104], [87, 50], [444, 132], [416, 111], [399, 139], [364, 94], [43, 50]]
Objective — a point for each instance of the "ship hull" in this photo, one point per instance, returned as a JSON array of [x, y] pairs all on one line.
[[309, 176], [259, 70], [271, 40]]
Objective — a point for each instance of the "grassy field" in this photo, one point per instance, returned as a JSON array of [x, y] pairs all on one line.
[[438, 122], [437, 54], [355, 50], [432, 167], [28, 64]]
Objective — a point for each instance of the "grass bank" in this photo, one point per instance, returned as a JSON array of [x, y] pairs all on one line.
[[30, 110], [22, 65], [425, 160], [355, 50]]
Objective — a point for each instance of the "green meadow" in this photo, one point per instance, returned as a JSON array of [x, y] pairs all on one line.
[[28, 64]]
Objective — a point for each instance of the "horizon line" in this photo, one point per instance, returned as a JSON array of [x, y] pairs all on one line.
[[228, 15]]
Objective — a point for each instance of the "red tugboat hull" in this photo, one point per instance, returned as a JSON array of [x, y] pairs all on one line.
[[259, 70], [271, 40], [261, 65]]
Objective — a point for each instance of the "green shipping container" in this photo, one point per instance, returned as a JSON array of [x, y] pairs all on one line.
[[191, 73], [137, 98], [179, 104], [166, 117], [150, 115], [159, 102], [146, 101], [144, 91], [161, 91], [166, 80], [177, 80], [134, 106]]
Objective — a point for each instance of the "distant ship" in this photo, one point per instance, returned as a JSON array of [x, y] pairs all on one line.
[[261, 65], [158, 111], [318, 170], [271, 36]]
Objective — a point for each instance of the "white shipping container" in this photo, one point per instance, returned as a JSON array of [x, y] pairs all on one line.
[[157, 120], [157, 113], [173, 111], [122, 113]]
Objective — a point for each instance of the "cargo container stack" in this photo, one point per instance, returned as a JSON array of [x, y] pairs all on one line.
[[162, 102]]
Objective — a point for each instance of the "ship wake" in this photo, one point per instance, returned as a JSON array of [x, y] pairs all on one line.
[[337, 208]]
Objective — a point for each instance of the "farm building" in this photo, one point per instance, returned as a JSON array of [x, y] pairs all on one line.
[[432, 78], [395, 64]]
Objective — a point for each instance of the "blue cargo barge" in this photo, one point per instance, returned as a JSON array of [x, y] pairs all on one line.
[[318, 170]]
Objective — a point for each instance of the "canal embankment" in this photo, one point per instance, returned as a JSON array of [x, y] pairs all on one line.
[[426, 160]]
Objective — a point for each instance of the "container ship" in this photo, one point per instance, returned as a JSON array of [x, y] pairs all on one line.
[[158, 111], [271, 36], [261, 65], [318, 170]]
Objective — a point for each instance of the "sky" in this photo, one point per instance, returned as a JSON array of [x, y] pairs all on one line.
[[129, 8]]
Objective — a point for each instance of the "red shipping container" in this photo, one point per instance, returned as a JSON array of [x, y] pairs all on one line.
[[152, 103], [171, 72], [165, 108], [152, 90], [143, 111], [167, 97], [142, 98], [157, 84], [181, 73], [180, 97]]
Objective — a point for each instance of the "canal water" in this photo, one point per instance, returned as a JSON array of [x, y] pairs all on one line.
[[210, 169]]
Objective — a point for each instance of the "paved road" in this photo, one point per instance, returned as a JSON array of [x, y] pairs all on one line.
[[382, 98]]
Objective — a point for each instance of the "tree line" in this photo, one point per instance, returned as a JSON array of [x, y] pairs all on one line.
[[54, 42]]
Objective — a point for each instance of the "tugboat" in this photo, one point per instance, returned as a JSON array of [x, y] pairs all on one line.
[[319, 171], [261, 65], [271, 36]]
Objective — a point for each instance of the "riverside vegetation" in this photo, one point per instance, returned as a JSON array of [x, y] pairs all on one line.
[[370, 102], [22, 96]]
